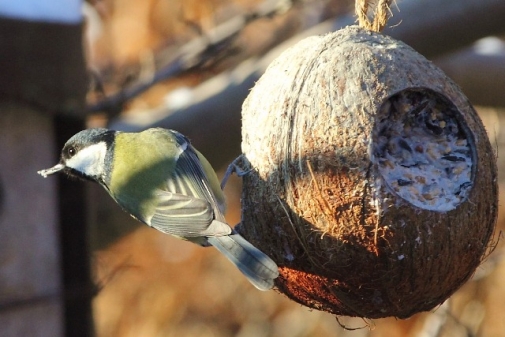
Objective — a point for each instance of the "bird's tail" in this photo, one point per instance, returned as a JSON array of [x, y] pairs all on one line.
[[259, 269]]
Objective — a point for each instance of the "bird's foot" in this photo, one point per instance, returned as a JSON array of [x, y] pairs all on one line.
[[234, 167]]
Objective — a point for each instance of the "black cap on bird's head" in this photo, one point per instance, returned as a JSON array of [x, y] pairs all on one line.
[[84, 154]]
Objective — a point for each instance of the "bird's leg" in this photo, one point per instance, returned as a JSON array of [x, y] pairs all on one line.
[[234, 167]]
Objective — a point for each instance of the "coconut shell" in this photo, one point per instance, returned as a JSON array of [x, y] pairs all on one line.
[[372, 181]]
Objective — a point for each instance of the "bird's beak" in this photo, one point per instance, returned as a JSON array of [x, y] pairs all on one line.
[[55, 169]]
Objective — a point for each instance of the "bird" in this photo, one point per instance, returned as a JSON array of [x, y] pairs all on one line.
[[161, 180]]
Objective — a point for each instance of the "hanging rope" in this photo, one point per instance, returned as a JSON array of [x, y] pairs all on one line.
[[377, 9]]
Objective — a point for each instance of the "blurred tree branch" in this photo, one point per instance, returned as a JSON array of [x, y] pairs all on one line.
[[202, 52], [480, 75], [438, 27]]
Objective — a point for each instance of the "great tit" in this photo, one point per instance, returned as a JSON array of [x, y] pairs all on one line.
[[160, 179]]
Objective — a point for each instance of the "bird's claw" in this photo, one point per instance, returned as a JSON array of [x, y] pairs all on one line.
[[234, 167]]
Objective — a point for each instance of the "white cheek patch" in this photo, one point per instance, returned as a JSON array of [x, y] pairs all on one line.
[[89, 160]]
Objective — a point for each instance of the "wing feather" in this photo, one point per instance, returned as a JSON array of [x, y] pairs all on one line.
[[187, 208]]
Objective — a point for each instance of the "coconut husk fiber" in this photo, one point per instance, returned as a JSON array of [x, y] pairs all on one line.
[[372, 181]]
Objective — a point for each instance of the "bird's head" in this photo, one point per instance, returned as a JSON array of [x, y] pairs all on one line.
[[86, 155]]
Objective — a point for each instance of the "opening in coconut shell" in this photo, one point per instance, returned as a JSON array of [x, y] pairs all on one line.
[[372, 183], [424, 150]]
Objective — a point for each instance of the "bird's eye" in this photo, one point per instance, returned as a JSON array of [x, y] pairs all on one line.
[[71, 151]]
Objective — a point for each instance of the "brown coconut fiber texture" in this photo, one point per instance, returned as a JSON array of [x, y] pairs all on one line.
[[315, 202]]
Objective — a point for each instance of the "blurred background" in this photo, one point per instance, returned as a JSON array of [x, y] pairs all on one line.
[[188, 65]]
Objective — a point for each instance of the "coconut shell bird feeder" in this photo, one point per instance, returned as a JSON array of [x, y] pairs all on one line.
[[372, 180]]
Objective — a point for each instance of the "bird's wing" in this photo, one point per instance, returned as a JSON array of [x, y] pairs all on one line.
[[191, 177], [185, 216], [188, 208]]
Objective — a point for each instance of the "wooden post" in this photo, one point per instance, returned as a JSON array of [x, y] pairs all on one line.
[[44, 259], [30, 280]]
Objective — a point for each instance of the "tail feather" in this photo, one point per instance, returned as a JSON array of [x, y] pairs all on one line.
[[259, 269]]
